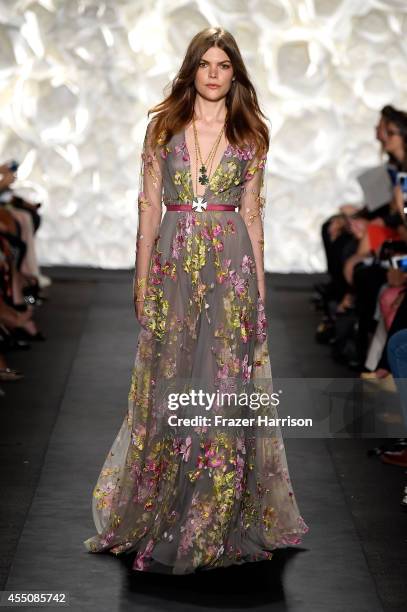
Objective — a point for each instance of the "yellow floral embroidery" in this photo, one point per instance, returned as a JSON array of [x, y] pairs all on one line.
[[183, 178], [224, 177]]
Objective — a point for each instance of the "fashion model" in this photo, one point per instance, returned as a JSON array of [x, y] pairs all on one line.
[[195, 486]]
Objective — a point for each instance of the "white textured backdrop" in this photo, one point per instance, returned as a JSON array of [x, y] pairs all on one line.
[[76, 79]]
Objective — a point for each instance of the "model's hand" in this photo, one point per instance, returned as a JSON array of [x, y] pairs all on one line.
[[261, 287], [139, 306]]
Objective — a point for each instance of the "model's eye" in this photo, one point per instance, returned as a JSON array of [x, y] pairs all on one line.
[[225, 66], [202, 64]]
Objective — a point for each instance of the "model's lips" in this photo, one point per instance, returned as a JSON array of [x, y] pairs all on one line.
[[212, 86]]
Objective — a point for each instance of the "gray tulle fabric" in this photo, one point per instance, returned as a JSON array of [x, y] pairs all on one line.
[[182, 498]]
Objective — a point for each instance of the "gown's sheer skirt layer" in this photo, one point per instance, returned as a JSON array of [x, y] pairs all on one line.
[[212, 498]]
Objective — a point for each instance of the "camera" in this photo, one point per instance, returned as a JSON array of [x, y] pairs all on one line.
[[12, 165]]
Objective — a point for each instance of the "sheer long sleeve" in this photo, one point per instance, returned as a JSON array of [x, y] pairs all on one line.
[[149, 211], [252, 209]]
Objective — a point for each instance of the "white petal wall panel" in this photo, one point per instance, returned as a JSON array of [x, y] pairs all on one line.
[[78, 77]]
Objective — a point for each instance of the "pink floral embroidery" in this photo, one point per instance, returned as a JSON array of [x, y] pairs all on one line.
[[291, 539], [164, 151], [182, 148], [238, 282], [217, 229], [156, 271], [209, 459], [223, 372], [242, 154], [184, 229], [183, 448], [246, 369], [248, 265], [230, 227], [254, 168], [218, 245], [107, 538], [142, 557], [261, 326]]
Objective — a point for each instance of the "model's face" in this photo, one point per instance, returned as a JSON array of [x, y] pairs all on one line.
[[214, 69]]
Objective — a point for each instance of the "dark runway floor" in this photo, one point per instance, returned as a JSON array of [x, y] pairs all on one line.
[[59, 422]]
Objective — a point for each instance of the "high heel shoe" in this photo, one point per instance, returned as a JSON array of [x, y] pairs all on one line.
[[32, 294], [380, 384]]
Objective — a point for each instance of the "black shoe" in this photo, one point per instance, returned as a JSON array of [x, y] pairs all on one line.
[[33, 300], [325, 331], [399, 445], [22, 334], [20, 307], [32, 294], [9, 342]]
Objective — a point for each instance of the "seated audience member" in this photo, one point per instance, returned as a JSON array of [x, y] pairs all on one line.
[[342, 232], [391, 225], [28, 220], [397, 359], [19, 274]]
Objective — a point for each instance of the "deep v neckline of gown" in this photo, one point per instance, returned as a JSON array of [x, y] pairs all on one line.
[[188, 164]]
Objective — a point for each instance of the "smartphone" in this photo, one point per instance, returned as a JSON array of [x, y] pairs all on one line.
[[400, 262], [402, 181]]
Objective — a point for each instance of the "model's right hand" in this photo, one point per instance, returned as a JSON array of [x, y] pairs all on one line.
[[139, 310]]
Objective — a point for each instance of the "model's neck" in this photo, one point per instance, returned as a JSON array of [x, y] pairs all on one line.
[[210, 111]]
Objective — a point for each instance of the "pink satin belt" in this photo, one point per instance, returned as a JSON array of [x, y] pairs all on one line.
[[188, 207]]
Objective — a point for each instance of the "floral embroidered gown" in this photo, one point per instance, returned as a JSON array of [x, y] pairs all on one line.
[[200, 497]]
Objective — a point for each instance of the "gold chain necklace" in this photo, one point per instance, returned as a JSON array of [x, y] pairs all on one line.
[[203, 173]]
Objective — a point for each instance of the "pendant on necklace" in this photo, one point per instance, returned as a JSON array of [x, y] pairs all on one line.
[[203, 177], [199, 204]]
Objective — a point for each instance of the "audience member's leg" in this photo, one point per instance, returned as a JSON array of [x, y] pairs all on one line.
[[397, 358], [399, 323], [334, 250], [367, 281], [29, 264]]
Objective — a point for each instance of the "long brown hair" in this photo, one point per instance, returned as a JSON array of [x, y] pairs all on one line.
[[244, 123]]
